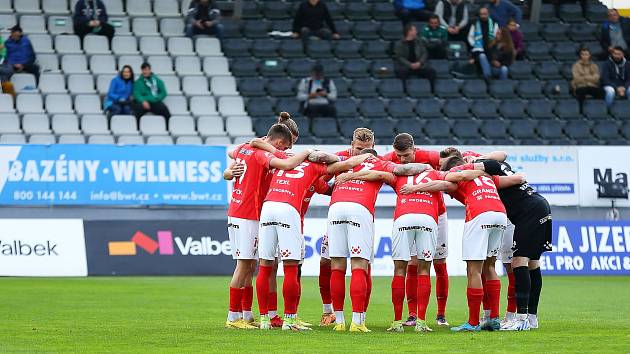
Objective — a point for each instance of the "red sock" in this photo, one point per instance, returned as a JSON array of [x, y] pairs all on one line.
[[411, 288], [324, 283], [493, 288], [272, 301], [474, 296], [368, 288], [236, 295], [338, 288], [299, 290], [358, 289], [248, 298], [511, 293], [486, 300], [262, 288], [424, 293], [398, 295], [441, 287], [290, 289]]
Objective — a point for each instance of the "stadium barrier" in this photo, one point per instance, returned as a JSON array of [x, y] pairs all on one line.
[[192, 175], [72, 247]]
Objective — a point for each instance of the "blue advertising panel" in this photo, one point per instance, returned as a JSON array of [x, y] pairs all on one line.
[[112, 175], [589, 248]]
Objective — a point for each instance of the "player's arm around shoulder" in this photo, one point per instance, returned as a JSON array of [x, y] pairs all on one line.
[[323, 157], [494, 155], [368, 175], [291, 162], [465, 175], [259, 143], [347, 164], [410, 169], [431, 186], [510, 181]]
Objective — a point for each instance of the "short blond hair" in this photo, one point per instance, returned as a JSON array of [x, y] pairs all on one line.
[[363, 134]]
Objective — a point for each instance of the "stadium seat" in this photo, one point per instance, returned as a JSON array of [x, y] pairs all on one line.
[[144, 26], [557, 89], [32, 24], [372, 108], [59, 103], [568, 109], [484, 109], [102, 64], [289, 104], [171, 27], [438, 129], [400, 108], [447, 89], [551, 130], [502, 89], [252, 87], [606, 130], [239, 126], [363, 88], [343, 87], [10, 123], [159, 140], [383, 11], [442, 68], [375, 50], [494, 129], [530, 30], [188, 140], [28, 103], [36, 124], [48, 62], [272, 68], [215, 66], [475, 89], [621, 110], [265, 48], [540, 109], [180, 46], [530, 89], [346, 107], [124, 125], [565, 51], [94, 124], [355, 68], [418, 88], [166, 8], [281, 87], [177, 105], [318, 49], [291, 48], [595, 110], [521, 70], [555, 32], [42, 43], [74, 64], [466, 129], [217, 140], [130, 140], [571, 13], [414, 127], [256, 29], [348, 125], [348, 49], [299, 68], [80, 83], [548, 70], [523, 129], [137, 8], [539, 51], [24, 83], [429, 108], [366, 30], [514, 109], [457, 108], [260, 107], [382, 68], [6, 103], [68, 44], [87, 104], [12, 139], [153, 125], [579, 131], [101, 140], [203, 106], [135, 61], [124, 45], [236, 47], [152, 46], [223, 86], [596, 12], [172, 84], [42, 139], [188, 66], [357, 11], [65, 124], [208, 47], [195, 86], [231, 106], [211, 126]]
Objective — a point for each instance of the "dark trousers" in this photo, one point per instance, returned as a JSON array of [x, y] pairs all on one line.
[[306, 33], [437, 50], [7, 70], [423, 72], [157, 108], [119, 108], [407, 16], [582, 92], [320, 110], [82, 29], [214, 30]]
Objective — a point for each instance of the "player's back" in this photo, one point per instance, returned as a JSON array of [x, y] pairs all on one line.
[[417, 203], [292, 186], [247, 196], [479, 195], [362, 192]]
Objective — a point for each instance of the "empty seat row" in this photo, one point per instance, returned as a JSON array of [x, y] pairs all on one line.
[[160, 8], [47, 139]]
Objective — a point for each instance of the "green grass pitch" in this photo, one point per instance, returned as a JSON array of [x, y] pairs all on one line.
[[186, 314]]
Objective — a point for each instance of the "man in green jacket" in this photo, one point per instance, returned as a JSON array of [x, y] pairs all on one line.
[[435, 36], [148, 94]]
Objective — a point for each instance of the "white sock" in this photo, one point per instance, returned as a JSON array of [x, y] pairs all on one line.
[[290, 315], [363, 317], [273, 314], [233, 316], [339, 317], [328, 308], [356, 318], [248, 315], [486, 313]]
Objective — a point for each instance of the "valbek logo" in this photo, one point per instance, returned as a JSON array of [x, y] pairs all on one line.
[[166, 245]]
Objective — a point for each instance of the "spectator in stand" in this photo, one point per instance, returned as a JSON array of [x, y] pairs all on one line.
[[409, 10], [454, 16], [614, 33], [149, 93], [615, 76], [435, 37], [90, 16], [20, 56], [204, 18], [502, 55], [517, 39], [585, 77], [119, 95], [317, 94], [480, 35], [503, 11], [410, 56], [309, 21]]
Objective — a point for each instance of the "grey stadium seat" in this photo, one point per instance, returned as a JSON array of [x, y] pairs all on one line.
[[144, 26], [27, 6], [159, 140], [6, 103], [180, 46], [188, 66], [161, 65], [530, 89], [60, 24], [80, 83], [182, 126], [74, 64], [32, 24], [35, 124], [135, 61], [121, 25], [29, 103], [171, 27], [48, 62], [65, 124], [96, 45], [195, 85], [87, 104], [42, 43], [153, 125], [216, 66], [68, 44], [217, 140], [188, 140], [24, 83], [231, 106], [42, 139], [103, 64], [94, 124], [10, 123], [203, 106], [239, 126], [101, 140], [122, 45], [211, 126], [12, 139], [59, 103], [177, 105], [124, 125], [130, 140], [102, 83], [139, 8], [152, 46], [208, 47], [166, 8], [223, 86]]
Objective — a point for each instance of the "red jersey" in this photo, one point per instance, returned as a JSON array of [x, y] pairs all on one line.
[[479, 195], [264, 186], [362, 192], [291, 186], [247, 194], [420, 202], [428, 157], [470, 153], [421, 156]]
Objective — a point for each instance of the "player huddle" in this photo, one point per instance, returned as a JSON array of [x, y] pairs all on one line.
[[272, 190]]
